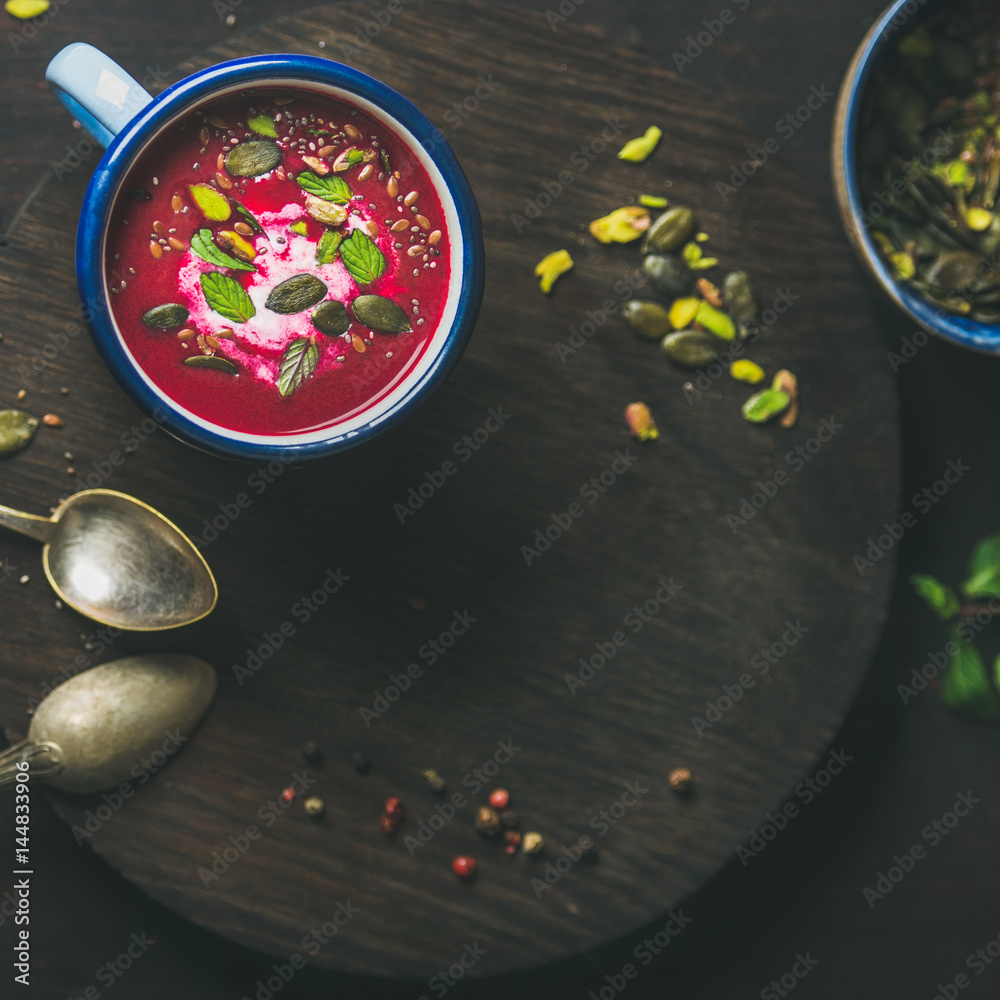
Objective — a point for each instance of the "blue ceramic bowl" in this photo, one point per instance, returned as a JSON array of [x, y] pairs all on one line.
[[885, 33], [124, 118]]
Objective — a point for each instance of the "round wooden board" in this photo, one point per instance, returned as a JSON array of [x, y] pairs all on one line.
[[526, 107]]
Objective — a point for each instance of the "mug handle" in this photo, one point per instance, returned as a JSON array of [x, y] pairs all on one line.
[[95, 90]]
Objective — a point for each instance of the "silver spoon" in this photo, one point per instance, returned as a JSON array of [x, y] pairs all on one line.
[[90, 732], [118, 561]]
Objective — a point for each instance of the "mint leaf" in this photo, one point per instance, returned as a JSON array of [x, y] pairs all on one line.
[[297, 364], [263, 125], [203, 247], [965, 686], [362, 258], [984, 569], [227, 297], [942, 599], [329, 244], [331, 188]]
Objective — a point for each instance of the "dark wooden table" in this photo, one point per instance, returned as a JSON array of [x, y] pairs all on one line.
[[802, 896]]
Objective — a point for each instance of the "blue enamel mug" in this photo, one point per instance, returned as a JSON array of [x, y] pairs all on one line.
[[126, 120]]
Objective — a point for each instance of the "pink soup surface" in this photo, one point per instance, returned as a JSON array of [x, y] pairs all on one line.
[[344, 202]]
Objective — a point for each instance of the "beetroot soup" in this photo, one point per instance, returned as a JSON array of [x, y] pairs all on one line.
[[278, 261]]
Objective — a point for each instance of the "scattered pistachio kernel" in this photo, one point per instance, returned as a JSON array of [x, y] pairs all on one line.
[[784, 381], [710, 293], [299, 227], [653, 201], [694, 258], [746, 371], [636, 150], [622, 225], [25, 10], [765, 405], [640, 422], [683, 312], [552, 267], [716, 321]]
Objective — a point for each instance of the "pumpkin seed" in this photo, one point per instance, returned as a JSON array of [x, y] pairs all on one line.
[[954, 271], [164, 317], [691, 348], [765, 405], [17, 429], [379, 313], [648, 319], [740, 297], [212, 361], [331, 318], [670, 231], [253, 158], [296, 294], [668, 273]]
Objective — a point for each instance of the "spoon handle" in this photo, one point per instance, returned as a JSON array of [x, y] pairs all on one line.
[[39, 528], [26, 750]]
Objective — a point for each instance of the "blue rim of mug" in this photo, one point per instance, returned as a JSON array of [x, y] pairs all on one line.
[[959, 330], [273, 70]]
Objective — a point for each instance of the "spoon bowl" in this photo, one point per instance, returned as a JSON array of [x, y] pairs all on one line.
[[119, 561], [90, 732]]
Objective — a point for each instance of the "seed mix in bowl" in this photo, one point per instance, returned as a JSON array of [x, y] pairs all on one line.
[[929, 160]]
